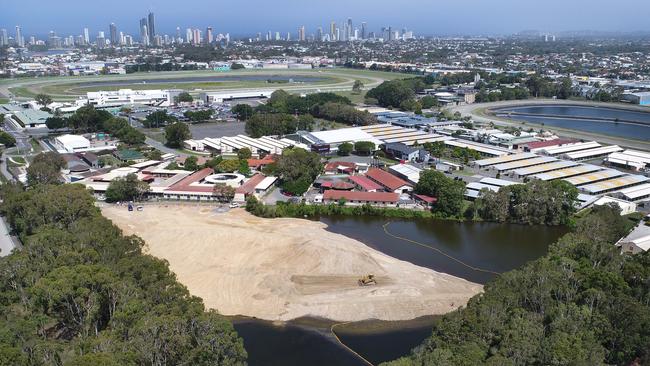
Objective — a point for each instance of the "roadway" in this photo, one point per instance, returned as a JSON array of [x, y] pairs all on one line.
[[479, 113]]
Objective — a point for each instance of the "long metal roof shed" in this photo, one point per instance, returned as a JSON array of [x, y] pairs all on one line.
[[593, 153], [594, 177], [614, 184], [556, 165], [568, 172], [524, 163], [504, 159]]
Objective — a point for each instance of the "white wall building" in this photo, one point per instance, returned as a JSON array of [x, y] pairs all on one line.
[[121, 97], [71, 143]]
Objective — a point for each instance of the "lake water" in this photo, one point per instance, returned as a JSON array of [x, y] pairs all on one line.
[[494, 247], [567, 114]]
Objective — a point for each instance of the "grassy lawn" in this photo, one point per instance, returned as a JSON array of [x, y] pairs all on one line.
[[4, 100], [36, 146], [354, 97], [155, 133], [387, 161], [325, 125], [21, 91]]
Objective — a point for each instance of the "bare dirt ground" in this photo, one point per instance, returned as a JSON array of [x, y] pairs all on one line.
[[282, 269]]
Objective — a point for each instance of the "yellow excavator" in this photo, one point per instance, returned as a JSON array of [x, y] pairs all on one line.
[[367, 280]]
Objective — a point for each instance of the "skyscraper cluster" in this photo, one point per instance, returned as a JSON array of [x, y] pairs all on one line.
[[347, 32], [148, 29]]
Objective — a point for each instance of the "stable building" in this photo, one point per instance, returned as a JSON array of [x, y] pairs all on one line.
[[388, 181]]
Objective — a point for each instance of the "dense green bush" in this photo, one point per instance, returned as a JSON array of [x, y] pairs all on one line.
[[81, 293], [582, 304]]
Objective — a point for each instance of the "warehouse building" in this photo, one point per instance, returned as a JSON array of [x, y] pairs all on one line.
[[629, 159], [523, 163], [556, 165], [473, 189], [614, 184], [568, 172], [567, 148], [483, 163], [589, 154], [483, 149], [594, 177], [636, 193], [406, 171]]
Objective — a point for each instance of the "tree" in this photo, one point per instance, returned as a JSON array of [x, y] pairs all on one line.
[[7, 139], [345, 149], [265, 124], [224, 192], [228, 166], [236, 66], [243, 111], [298, 169], [45, 168], [392, 93], [364, 147], [191, 163], [449, 192], [128, 188], [176, 133], [429, 101], [43, 99], [244, 153], [55, 123], [158, 118], [78, 281], [357, 87], [184, 97]]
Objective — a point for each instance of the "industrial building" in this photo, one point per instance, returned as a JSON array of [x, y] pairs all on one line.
[[220, 97], [473, 189], [483, 149], [635, 193], [483, 163], [640, 98], [408, 136], [513, 165], [568, 172], [406, 171], [258, 146], [567, 148], [615, 184], [589, 154], [549, 167], [594, 177], [629, 159]]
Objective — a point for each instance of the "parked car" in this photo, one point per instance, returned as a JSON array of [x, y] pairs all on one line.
[[233, 205]]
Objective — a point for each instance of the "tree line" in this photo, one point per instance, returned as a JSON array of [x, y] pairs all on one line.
[[80, 292], [286, 113], [584, 303], [88, 119]]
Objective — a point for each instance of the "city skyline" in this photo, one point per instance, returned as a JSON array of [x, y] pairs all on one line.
[[473, 18]]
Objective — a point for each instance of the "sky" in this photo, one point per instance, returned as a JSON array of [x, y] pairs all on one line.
[[247, 17]]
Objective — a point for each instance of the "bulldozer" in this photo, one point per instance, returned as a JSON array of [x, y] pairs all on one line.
[[367, 280]]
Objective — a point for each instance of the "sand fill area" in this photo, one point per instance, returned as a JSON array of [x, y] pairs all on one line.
[[281, 269]]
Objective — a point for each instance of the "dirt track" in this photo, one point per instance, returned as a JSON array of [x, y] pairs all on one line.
[[283, 269]]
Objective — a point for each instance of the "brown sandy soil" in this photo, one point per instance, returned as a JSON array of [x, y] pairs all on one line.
[[282, 269]]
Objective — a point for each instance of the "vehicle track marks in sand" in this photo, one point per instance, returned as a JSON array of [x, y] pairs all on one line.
[[282, 269]]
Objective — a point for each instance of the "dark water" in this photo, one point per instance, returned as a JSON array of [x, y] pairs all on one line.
[[269, 345], [488, 246], [621, 129], [497, 247], [204, 79]]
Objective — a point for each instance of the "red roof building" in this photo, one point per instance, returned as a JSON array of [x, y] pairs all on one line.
[[427, 200], [390, 182], [258, 164], [186, 184], [242, 192], [364, 184], [540, 144], [339, 167], [360, 198]]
